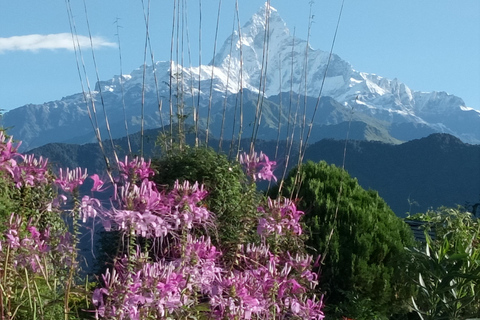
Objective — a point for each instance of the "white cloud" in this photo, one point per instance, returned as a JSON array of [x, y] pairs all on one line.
[[35, 42]]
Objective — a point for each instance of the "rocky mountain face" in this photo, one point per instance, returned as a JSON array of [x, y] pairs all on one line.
[[260, 67]]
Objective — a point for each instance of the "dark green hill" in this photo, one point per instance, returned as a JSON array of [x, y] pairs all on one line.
[[414, 176]]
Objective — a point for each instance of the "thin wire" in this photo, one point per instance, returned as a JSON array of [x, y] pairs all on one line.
[[107, 124], [232, 142], [302, 129], [189, 59], [180, 87], [178, 65], [144, 75], [340, 191], [279, 113], [289, 142], [241, 79], [154, 65], [77, 51], [302, 152]]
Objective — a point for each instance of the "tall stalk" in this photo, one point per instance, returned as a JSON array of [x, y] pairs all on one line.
[[212, 75], [240, 130], [88, 98], [74, 254], [122, 87], [107, 123], [262, 80]]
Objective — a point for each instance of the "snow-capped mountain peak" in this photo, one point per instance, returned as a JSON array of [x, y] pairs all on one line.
[[263, 56]]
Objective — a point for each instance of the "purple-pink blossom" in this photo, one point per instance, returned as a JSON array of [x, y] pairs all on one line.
[[279, 217], [30, 171], [136, 169], [69, 180], [258, 167], [97, 183], [89, 208], [150, 213]]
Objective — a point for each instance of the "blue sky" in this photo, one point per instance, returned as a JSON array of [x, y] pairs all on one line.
[[430, 45]]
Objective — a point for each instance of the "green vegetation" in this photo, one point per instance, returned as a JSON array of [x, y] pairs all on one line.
[[360, 240], [37, 278], [448, 266], [365, 271], [28, 202], [233, 201]]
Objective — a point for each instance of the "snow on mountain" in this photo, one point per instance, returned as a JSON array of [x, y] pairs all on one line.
[[384, 99], [262, 57]]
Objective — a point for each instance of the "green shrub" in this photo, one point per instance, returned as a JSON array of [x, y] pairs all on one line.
[[448, 266], [360, 239]]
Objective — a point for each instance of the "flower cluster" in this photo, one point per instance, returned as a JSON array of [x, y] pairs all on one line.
[[24, 169], [258, 167], [273, 285], [186, 278], [136, 169], [280, 216], [191, 278], [161, 288], [37, 254], [70, 180], [31, 249], [8, 153], [30, 172], [147, 212]]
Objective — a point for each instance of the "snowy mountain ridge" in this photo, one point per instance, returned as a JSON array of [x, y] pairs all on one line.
[[248, 63]]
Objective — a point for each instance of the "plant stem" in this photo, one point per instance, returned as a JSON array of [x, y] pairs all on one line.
[[75, 231]]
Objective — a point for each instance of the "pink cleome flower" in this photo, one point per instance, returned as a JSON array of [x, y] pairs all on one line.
[[72, 179], [259, 167]]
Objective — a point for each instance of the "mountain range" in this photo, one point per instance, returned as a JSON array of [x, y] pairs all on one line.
[[438, 170], [260, 69]]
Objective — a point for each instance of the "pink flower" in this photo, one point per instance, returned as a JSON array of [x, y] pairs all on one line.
[[7, 149], [57, 202], [97, 183], [71, 180], [34, 232], [258, 167], [89, 208], [31, 171], [280, 216], [97, 300], [13, 238], [135, 170]]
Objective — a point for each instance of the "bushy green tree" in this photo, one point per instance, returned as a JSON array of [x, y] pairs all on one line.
[[359, 238], [233, 201]]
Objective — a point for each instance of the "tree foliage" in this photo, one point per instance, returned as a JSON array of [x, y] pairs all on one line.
[[359, 238], [230, 197]]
